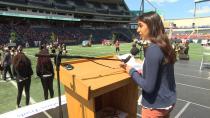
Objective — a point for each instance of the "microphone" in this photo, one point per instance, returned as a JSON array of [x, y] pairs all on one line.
[[55, 55], [45, 55], [126, 59], [79, 57], [134, 51], [69, 67]]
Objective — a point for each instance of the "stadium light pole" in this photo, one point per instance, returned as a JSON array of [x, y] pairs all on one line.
[[196, 2], [195, 12], [194, 19], [195, 9], [152, 5], [141, 7]]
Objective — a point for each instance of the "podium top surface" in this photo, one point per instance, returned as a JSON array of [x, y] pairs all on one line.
[[93, 77]]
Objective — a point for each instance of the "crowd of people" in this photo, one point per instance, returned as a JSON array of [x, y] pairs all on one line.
[[27, 33], [15, 62], [191, 36], [33, 32]]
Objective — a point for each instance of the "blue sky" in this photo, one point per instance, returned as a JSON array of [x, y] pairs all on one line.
[[173, 9]]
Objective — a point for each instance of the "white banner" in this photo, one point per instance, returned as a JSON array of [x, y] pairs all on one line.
[[34, 108]]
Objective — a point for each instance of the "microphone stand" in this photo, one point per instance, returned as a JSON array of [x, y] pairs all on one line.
[[58, 63], [58, 58], [141, 50]]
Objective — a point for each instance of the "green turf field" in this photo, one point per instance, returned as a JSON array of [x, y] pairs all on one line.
[[8, 91]]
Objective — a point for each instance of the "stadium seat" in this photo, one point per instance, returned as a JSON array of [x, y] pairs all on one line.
[[16, 1], [64, 6], [41, 3]]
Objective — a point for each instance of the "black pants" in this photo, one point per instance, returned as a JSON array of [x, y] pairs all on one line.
[[23, 84], [7, 69], [117, 49], [47, 84]]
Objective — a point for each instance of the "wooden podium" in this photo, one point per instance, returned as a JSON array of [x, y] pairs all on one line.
[[95, 84]]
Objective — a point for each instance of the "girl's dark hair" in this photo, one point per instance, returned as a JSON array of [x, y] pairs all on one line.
[[158, 36], [44, 63], [22, 64]]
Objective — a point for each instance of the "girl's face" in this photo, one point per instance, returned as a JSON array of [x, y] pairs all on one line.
[[143, 30]]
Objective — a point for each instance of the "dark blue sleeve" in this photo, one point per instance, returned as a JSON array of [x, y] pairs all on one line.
[[153, 60]]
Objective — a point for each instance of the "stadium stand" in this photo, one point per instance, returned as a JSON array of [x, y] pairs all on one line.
[[16, 1], [72, 21], [73, 5], [43, 3], [68, 35]]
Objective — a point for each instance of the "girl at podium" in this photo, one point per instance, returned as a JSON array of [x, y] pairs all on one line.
[[157, 78]]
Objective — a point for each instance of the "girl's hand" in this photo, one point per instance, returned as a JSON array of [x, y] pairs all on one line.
[[123, 65], [128, 68], [139, 61]]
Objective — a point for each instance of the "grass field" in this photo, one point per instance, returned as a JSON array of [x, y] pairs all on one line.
[[8, 91]]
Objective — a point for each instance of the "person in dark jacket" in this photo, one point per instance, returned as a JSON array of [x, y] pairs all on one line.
[[6, 63], [134, 50], [22, 70], [45, 71], [157, 80]]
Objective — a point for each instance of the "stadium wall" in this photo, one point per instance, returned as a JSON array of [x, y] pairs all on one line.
[[188, 22]]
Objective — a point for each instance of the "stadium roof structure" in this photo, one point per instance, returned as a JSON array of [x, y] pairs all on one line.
[[106, 1], [198, 1], [89, 10], [136, 12], [38, 16]]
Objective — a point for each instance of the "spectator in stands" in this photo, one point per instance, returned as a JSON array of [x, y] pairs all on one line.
[[157, 80], [45, 71], [6, 62], [117, 46], [22, 70]]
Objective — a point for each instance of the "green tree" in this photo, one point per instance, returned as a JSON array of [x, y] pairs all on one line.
[[52, 37], [13, 37]]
